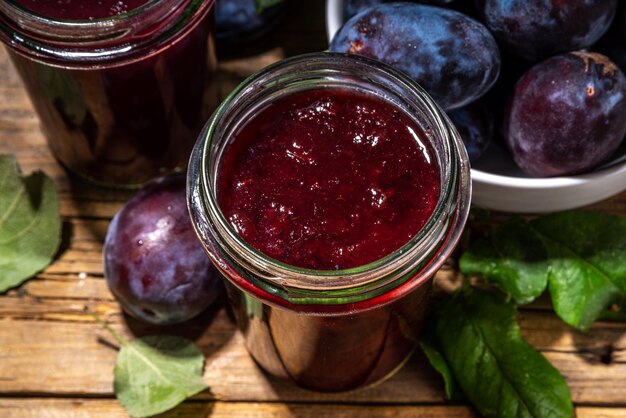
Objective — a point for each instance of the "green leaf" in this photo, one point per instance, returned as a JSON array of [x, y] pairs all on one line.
[[428, 344], [581, 255], [154, 374], [587, 252], [261, 5], [30, 225], [499, 372], [513, 258]]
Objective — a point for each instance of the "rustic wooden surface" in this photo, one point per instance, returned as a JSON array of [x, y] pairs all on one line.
[[55, 361]]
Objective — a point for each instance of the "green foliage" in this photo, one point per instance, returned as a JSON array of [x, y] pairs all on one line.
[[580, 256], [500, 373], [30, 225], [154, 374]]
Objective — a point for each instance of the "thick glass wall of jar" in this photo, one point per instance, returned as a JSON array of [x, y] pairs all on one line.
[[328, 190], [121, 88]]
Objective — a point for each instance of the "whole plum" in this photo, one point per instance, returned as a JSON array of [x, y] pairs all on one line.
[[241, 19], [435, 2], [153, 262], [352, 7], [567, 114], [476, 126], [535, 29], [452, 56]]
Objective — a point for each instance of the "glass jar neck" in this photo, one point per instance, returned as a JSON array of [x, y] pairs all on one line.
[[100, 42], [418, 259]]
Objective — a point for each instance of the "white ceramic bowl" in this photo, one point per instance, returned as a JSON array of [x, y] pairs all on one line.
[[498, 184], [334, 17]]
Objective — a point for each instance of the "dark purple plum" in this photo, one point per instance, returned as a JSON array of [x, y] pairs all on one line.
[[475, 125], [352, 7], [452, 56], [153, 262], [567, 114], [536, 29], [240, 20], [435, 2]]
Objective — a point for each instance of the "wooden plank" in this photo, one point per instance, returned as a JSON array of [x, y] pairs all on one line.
[[590, 412], [65, 352], [67, 286], [108, 408], [48, 357], [94, 408]]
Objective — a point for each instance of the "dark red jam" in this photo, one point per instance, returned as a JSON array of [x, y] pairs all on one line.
[[328, 179], [80, 9]]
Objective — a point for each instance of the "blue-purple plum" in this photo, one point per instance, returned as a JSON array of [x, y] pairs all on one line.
[[475, 124], [352, 7], [241, 19], [567, 114], [452, 56], [154, 264], [435, 2], [536, 29]]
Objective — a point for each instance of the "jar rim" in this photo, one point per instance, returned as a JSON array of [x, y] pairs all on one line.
[[379, 274], [100, 42]]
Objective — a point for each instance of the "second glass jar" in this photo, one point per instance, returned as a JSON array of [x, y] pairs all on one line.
[[120, 98]]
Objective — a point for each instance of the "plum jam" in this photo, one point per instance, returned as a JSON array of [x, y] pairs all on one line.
[[328, 189], [328, 179], [121, 88], [80, 9]]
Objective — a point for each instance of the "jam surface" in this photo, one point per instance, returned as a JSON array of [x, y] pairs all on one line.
[[328, 179], [81, 9]]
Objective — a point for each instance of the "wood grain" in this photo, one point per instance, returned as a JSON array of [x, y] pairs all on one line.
[[56, 361], [96, 408], [76, 408], [79, 356]]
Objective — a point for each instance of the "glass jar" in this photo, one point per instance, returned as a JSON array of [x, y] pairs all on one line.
[[121, 99], [330, 330]]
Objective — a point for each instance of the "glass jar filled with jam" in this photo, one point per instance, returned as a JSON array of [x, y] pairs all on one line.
[[121, 87], [328, 189]]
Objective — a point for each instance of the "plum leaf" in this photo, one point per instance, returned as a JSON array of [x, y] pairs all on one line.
[[498, 371], [154, 374], [587, 270], [30, 225], [512, 258], [432, 351], [579, 254]]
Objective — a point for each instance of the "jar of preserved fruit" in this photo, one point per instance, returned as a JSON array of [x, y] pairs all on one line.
[[328, 189], [121, 88]]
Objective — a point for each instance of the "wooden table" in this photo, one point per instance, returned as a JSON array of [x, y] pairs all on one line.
[[55, 361]]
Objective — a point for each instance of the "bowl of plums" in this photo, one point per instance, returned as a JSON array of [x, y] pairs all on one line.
[[539, 103]]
